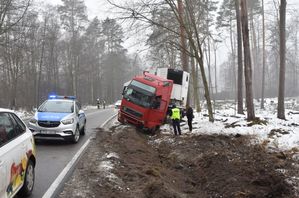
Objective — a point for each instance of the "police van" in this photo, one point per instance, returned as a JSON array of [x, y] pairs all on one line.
[[59, 117], [17, 156]]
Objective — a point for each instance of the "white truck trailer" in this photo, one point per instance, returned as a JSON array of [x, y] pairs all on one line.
[[180, 83]]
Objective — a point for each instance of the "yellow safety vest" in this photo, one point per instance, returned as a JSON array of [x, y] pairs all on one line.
[[175, 113]]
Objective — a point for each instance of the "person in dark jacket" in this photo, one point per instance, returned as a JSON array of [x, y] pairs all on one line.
[[98, 103], [175, 115], [190, 116]]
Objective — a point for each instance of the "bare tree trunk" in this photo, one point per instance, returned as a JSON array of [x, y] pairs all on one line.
[[282, 24], [296, 60], [232, 65], [208, 61], [240, 59], [264, 57], [38, 94], [254, 63], [195, 83], [182, 36], [199, 56], [247, 62]]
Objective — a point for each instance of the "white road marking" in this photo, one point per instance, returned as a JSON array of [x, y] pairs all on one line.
[[69, 166], [64, 172], [108, 120]]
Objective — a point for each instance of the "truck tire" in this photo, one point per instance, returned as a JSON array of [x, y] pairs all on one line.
[[121, 121], [154, 130]]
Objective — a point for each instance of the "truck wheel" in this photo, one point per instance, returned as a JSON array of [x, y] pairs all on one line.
[[121, 121], [153, 130], [27, 187], [76, 136]]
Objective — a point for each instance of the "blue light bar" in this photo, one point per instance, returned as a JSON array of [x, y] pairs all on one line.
[[52, 96], [61, 97]]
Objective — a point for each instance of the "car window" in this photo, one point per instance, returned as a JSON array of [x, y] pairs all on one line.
[[19, 125], [7, 128], [4, 127]]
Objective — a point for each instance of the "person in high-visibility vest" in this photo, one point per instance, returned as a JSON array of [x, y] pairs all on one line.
[[175, 115]]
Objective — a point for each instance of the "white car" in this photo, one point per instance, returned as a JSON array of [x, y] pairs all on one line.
[[59, 117], [117, 104], [17, 156]]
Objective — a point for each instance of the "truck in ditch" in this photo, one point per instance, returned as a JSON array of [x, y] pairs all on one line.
[[145, 101], [148, 97]]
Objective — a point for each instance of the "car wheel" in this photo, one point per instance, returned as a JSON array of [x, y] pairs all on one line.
[[76, 136], [83, 130], [27, 187]]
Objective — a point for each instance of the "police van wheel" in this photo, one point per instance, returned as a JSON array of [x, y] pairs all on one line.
[[82, 132], [76, 136], [27, 187]]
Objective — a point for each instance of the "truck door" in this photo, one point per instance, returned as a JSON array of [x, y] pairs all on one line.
[[159, 110]]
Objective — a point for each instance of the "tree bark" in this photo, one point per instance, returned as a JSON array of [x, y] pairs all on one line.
[[233, 62], [240, 59], [281, 87], [184, 58], [38, 86], [195, 83], [254, 63], [264, 57], [247, 62], [199, 57]]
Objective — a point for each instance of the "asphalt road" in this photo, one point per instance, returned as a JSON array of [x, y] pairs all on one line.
[[53, 156]]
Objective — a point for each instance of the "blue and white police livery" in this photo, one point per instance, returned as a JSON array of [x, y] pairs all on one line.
[[59, 117]]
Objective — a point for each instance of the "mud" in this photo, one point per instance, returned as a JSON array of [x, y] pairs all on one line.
[[123, 162]]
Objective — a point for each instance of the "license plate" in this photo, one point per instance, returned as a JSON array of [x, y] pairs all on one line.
[[48, 132]]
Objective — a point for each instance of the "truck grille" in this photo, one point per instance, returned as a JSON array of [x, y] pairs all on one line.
[[49, 124], [132, 112]]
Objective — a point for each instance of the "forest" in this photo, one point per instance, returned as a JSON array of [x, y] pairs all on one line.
[[57, 49]]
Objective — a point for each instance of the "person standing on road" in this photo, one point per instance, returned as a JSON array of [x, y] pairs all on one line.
[[190, 116], [98, 103], [175, 115], [104, 104]]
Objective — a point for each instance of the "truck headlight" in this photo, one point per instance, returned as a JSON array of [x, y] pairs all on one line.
[[33, 121], [68, 121]]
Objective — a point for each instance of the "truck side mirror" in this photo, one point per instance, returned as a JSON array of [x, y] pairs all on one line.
[[124, 89]]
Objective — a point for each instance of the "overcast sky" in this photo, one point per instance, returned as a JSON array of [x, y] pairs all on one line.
[[135, 42]]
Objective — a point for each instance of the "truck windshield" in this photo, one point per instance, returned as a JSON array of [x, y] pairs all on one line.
[[140, 94]]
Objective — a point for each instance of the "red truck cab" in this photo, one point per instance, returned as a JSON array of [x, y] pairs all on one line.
[[145, 101]]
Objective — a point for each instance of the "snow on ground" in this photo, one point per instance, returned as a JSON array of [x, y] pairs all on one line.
[[280, 134], [23, 114]]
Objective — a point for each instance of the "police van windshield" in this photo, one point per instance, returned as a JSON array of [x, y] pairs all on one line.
[[140, 93], [57, 106]]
